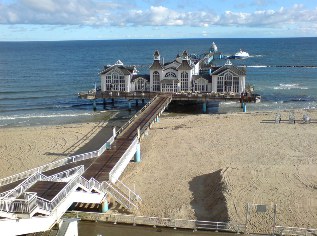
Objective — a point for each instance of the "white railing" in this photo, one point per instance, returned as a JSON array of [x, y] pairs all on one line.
[[106, 145], [124, 160], [66, 174], [281, 230], [48, 166], [163, 222], [127, 191], [135, 116], [121, 198], [24, 185], [152, 117]]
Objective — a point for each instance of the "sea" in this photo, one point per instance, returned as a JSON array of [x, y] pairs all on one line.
[[40, 81]]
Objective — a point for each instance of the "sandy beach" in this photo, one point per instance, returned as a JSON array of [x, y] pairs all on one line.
[[209, 167], [23, 148], [206, 167]]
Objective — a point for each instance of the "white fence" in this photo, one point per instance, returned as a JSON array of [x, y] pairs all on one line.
[[162, 222]]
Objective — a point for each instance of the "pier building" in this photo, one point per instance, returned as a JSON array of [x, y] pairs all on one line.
[[185, 74]]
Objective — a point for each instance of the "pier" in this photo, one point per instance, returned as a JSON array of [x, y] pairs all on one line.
[[35, 200]]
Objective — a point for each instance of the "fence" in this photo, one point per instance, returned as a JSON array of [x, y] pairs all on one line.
[[162, 222]]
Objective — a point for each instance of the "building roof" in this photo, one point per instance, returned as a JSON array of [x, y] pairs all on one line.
[[156, 65], [124, 69], [145, 76], [235, 69], [185, 65]]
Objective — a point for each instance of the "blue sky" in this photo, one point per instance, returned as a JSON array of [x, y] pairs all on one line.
[[29, 20]]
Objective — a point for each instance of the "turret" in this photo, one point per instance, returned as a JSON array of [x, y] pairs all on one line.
[[185, 56], [156, 55]]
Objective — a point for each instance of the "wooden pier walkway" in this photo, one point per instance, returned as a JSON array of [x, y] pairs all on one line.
[[22, 193]]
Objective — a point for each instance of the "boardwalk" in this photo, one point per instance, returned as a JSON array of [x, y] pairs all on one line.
[[54, 187]]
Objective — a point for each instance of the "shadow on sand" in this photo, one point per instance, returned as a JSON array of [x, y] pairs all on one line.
[[208, 202]]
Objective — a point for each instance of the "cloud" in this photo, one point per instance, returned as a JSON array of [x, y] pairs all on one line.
[[97, 13]]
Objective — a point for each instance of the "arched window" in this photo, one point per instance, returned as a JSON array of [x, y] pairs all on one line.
[[170, 75], [156, 81], [228, 83], [184, 81], [115, 82]]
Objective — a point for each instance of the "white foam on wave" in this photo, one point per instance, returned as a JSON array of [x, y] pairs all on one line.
[[42, 116], [258, 66], [290, 86]]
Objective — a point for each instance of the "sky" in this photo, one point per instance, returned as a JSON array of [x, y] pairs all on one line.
[[54, 20]]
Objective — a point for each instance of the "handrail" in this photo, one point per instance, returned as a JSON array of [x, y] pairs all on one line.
[[48, 166], [122, 158], [132, 195], [164, 222], [119, 196], [66, 173], [16, 191], [135, 115]]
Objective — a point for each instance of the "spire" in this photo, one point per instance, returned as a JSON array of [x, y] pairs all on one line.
[[156, 55], [185, 55]]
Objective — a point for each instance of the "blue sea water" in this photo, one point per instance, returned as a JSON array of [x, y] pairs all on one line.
[[39, 81]]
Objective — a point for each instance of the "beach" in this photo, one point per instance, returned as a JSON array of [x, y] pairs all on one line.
[[23, 148], [210, 167], [206, 167]]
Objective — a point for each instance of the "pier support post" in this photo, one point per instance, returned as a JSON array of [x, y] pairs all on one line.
[[137, 155], [108, 146], [104, 103], [94, 105], [242, 104], [136, 102], [129, 102], [244, 107], [205, 107], [143, 101], [104, 206], [114, 132], [112, 101], [157, 118]]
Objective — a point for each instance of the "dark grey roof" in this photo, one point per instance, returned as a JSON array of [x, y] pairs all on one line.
[[123, 69], [156, 65], [145, 76], [235, 69], [185, 65]]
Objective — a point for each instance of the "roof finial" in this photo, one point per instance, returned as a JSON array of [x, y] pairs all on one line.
[[228, 63]]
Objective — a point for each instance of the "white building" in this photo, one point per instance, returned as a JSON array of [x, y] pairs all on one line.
[[184, 74]]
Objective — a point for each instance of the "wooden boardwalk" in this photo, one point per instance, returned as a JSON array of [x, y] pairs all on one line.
[[98, 167], [101, 167]]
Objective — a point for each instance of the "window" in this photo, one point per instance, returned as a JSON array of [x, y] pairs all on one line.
[[115, 82], [184, 81], [169, 88], [156, 81], [140, 84], [228, 83], [170, 75], [200, 85]]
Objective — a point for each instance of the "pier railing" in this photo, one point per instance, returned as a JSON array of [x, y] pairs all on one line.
[[48, 166], [135, 116], [281, 230], [163, 222]]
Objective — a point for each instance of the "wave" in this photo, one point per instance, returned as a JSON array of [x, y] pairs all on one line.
[[43, 116], [258, 66], [289, 86]]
